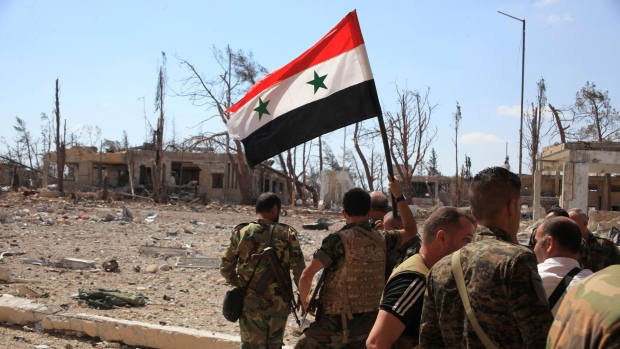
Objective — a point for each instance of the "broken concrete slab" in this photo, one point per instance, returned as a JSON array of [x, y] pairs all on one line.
[[162, 251], [74, 263], [198, 262], [19, 311]]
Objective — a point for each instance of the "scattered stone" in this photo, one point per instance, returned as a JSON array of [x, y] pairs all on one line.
[[164, 267], [151, 268]]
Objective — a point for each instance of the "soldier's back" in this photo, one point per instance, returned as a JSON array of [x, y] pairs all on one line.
[[503, 291], [589, 317]]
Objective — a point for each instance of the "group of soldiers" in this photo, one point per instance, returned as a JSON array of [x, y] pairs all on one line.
[[464, 282]]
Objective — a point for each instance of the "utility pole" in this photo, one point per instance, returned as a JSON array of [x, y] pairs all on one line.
[[522, 85]]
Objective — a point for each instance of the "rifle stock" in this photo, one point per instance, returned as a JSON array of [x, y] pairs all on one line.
[[283, 279], [315, 292]]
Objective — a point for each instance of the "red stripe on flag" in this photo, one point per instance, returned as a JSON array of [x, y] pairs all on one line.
[[345, 36]]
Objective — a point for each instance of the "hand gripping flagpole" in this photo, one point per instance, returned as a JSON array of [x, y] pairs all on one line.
[[388, 157]]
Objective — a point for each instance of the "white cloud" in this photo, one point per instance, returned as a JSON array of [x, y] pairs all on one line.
[[542, 3], [479, 138], [105, 104], [515, 110], [565, 17]]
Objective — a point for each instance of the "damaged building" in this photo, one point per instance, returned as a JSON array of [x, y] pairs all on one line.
[[199, 173]]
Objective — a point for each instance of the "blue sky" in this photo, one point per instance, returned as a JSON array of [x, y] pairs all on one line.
[[107, 53]]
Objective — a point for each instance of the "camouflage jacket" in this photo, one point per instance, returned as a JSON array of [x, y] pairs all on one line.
[[587, 317], [246, 239], [603, 253], [505, 292]]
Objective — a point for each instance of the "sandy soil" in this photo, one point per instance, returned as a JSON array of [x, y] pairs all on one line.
[[49, 230], [187, 297]]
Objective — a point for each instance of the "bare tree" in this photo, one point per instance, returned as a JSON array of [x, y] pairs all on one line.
[[238, 71], [457, 181], [602, 123], [559, 123], [410, 133], [536, 125], [159, 169], [60, 144]]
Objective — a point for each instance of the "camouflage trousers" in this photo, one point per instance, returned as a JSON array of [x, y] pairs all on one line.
[[327, 332], [260, 326]]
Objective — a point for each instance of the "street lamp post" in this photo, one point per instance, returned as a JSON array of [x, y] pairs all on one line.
[[522, 84]]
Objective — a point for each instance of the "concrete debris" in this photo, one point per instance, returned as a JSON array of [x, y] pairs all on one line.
[[198, 262], [38, 262], [150, 217], [24, 291], [74, 263], [9, 254], [162, 251]]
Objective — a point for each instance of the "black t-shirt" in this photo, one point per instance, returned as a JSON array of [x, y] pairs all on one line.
[[403, 297]]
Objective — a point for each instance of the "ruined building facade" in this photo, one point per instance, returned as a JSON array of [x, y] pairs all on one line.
[[196, 172]]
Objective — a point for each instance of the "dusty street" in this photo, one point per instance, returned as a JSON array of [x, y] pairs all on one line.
[[187, 297], [49, 230]]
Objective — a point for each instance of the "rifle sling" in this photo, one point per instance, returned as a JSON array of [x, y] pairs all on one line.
[[457, 271]]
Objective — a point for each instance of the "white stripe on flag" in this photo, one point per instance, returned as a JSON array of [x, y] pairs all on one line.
[[343, 71]]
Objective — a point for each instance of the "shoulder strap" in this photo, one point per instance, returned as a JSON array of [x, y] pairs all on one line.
[[457, 270], [562, 286], [256, 267]]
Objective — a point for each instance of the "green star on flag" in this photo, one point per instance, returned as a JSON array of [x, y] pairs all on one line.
[[262, 108], [318, 82]]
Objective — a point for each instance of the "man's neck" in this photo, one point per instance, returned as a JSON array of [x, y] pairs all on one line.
[[499, 224], [429, 257], [356, 219], [264, 216]]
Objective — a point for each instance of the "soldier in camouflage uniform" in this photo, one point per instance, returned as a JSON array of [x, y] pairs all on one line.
[[589, 317], [501, 278], [603, 252], [265, 312], [354, 260]]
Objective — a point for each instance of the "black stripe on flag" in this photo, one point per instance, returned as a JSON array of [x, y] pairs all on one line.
[[353, 104]]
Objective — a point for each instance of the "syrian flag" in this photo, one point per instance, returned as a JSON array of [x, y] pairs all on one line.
[[328, 87]]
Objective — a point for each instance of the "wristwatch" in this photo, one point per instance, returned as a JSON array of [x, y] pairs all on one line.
[[400, 198]]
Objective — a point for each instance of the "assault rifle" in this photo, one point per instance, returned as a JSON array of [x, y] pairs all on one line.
[[315, 292], [283, 279]]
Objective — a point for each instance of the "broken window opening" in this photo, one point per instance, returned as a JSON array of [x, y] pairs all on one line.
[[217, 180]]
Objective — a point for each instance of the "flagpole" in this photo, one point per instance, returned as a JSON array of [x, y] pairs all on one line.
[[388, 158]]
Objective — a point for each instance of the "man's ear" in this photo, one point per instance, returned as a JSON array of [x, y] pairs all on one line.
[[344, 214], [550, 244], [274, 211], [512, 207], [442, 237]]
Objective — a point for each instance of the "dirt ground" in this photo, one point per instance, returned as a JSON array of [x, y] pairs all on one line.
[[49, 229]]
